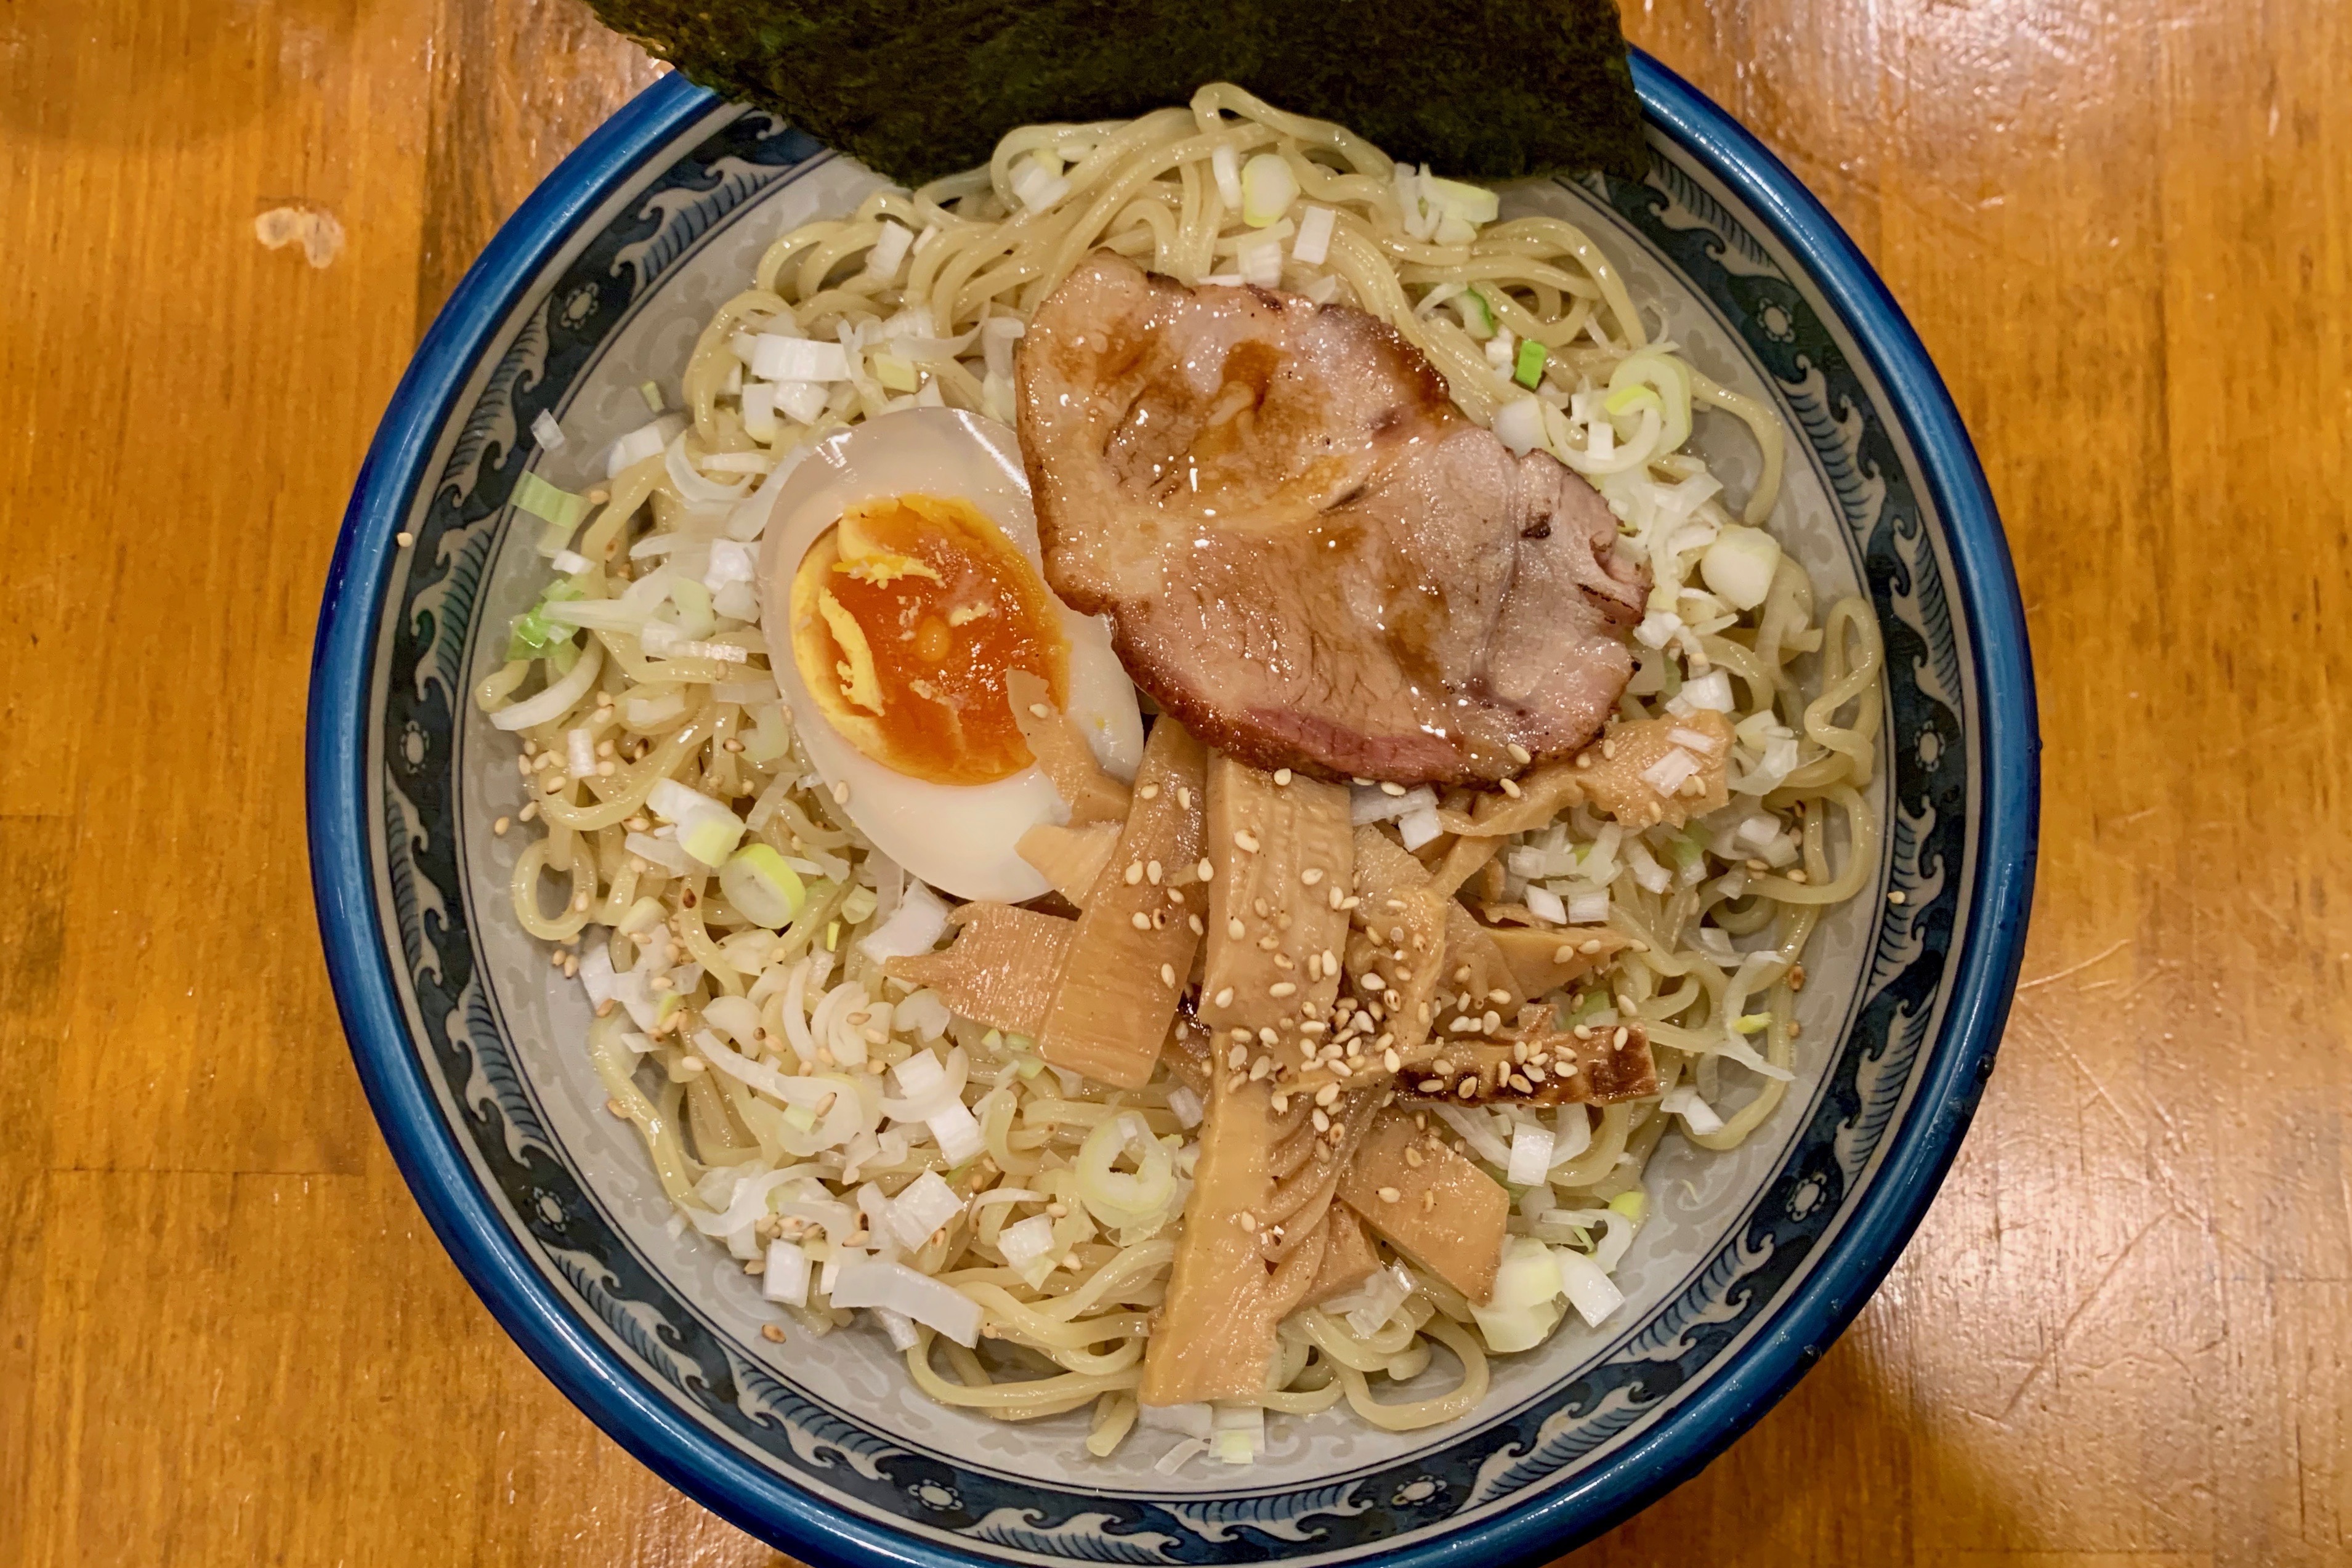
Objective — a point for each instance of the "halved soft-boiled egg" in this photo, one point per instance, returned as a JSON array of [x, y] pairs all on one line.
[[901, 587]]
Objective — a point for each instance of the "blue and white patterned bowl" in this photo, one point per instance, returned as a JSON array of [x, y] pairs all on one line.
[[470, 1055]]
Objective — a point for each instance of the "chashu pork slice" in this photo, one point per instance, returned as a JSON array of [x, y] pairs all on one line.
[[1308, 554]]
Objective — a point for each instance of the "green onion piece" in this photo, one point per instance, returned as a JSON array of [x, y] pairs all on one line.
[[542, 499], [762, 887], [1687, 849], [711, 835], [800, 1118], [769, 738], [1529, 368], [1670, 678], [1019, 1043], [563, 655], [1028, 1066], [896, 373], [695, 617], [651, 393], [1486, 307], [859, 906], [533, 635], [1753, 1023], [1632, 1205], [1630, 399], [529, 637]]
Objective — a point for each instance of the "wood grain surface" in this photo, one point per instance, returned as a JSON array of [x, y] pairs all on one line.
[[2124, 1336]]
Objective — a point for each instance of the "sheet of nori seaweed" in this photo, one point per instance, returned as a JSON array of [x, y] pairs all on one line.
[[1479, 90]]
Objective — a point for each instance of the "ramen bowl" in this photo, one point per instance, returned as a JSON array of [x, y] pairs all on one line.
[[469, 1044]]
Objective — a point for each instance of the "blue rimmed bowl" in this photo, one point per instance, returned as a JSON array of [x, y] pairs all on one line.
[[470, 1055]]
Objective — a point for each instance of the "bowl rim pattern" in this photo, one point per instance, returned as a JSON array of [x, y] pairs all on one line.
[[1735, 1393]]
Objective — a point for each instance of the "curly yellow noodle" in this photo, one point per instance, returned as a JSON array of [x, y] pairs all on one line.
[[1455, 1402]]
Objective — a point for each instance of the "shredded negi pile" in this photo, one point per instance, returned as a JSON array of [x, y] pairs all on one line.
[[855, 1087]]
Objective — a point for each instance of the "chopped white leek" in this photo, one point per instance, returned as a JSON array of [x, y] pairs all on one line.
[[775, 357], [1684, 1100], [875, 1283], [557, 700], [645, 441], [1669, 773], [1419, 825], [1036, 185], [1027, 1243], [1738, 566], [1224, 166], [1260, 262], [922, 1207], [914, 927], [1531, 1158], [1313, 245], [1519, 424], [889, 250], [1268, 188], [1589, 1288], [1524, 1307], [1371, 802]]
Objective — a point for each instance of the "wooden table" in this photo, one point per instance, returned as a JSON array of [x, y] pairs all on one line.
[[2123, 1337]]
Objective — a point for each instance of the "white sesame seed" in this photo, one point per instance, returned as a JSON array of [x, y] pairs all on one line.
[[1281, 776], [405, 539], [1225, 996], [1151, 872], [1511, 788], [1140, 920], [1183, 798], [1520, 754], [1282, 988], [1208, 872], [1039, 710], [1245, 841], [1390, 1195], [1134, 872], [841, 793], [1391, 789], [1167, 975], [1314, 874]]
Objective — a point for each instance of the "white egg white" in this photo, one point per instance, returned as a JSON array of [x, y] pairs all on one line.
[[958, 838]]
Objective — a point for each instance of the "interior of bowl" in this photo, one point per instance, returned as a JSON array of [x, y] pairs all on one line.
[[476, 1027]]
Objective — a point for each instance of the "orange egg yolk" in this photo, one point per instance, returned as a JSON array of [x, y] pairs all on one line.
[[906, 614]]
